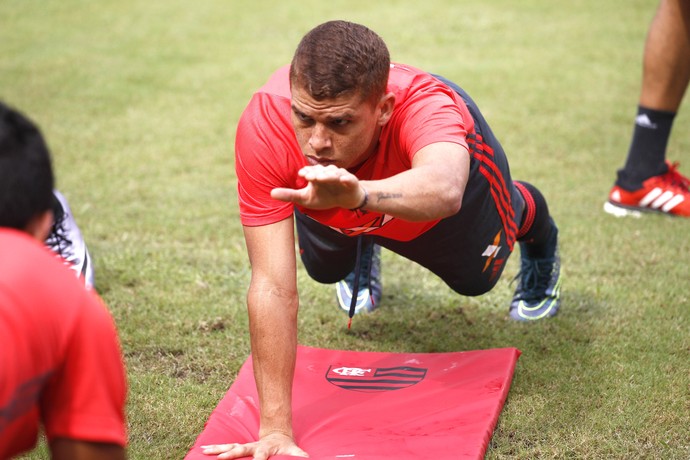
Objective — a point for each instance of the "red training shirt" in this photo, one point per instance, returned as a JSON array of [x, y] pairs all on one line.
[[267, 154]]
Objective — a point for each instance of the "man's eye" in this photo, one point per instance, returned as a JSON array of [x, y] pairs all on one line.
[[340, 122], [302, 117]]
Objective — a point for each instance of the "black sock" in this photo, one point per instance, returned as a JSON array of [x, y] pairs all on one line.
[[536, 226], [647, 154]]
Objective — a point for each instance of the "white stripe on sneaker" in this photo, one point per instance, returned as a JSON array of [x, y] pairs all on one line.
[[651, 196], [672, 203], [663, 198]]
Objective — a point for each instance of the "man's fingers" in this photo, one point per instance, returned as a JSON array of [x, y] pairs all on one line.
[[233, 450], [322, 173], [261, 450], [216, 448], [327, 187]]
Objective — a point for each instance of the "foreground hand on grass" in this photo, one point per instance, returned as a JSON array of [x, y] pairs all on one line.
[[328, 187], [271, 444]]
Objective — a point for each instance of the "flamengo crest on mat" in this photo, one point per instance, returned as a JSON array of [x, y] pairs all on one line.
[[375, 379]]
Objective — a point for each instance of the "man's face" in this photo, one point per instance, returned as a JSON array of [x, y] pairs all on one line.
[[342, 131]]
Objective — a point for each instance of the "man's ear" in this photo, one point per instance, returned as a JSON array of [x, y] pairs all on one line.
[[386, 106], [39, 226]]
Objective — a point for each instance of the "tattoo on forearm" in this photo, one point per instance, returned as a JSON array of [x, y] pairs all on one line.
[[387, 196]]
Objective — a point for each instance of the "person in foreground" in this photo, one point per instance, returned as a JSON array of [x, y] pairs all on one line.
[[61, 360], [362, 154], [647, 181]]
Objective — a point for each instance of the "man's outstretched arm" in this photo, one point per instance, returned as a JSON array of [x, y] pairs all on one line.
[[432, 189]]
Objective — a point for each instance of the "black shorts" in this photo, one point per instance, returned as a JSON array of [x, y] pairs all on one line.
[[467, 250]]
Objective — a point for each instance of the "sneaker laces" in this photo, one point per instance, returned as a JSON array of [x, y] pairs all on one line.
[[675, 178], [57, 240], [534, 277]]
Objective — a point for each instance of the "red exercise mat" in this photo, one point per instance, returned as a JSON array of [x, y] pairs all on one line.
[[372, 405]]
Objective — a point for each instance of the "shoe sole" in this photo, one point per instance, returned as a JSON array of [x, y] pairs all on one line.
[[344, 295], [552, 310], [620, 211], [521, 312]]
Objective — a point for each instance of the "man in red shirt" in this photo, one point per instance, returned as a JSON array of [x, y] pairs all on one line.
[[60, 360], [366, 154]]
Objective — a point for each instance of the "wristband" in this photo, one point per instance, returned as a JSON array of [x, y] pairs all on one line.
[[364, 201]]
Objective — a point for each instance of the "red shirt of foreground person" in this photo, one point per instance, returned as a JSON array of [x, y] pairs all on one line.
[[60, 359]]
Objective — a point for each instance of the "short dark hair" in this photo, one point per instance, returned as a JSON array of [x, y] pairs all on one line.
[[26, 173], [339, 57]]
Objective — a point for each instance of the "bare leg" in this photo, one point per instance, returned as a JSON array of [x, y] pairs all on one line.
[[647, 180], [666, 66]]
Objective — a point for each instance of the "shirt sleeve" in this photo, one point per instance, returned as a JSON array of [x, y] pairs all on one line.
[[266, 156], [432, 113], [86, 396]]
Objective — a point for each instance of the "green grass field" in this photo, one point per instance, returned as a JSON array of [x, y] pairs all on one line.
[[139, 103]]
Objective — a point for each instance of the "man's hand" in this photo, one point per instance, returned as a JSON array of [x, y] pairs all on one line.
[[432, 189], [271, 444], [328, 187]]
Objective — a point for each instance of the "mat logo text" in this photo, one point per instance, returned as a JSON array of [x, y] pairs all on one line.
[[370, 380]]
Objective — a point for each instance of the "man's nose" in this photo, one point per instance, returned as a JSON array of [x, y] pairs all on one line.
[[320, 138]]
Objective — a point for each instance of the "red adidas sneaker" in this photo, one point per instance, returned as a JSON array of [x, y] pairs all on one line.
[[676, 176], [668, 193]]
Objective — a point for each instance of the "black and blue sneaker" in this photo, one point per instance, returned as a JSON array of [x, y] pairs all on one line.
[[369, 286], [538, 293]]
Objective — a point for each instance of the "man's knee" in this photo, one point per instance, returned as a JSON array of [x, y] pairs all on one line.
[[325, 276], [473, 288]]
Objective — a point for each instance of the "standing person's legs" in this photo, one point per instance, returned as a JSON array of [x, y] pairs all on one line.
[[647, 181], [665, 76], [666, 65]]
